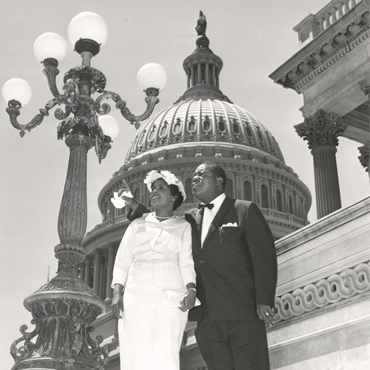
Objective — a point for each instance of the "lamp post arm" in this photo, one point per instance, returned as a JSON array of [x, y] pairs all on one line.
[[105, 108], [51, 72], [13, 112], [151, 101]]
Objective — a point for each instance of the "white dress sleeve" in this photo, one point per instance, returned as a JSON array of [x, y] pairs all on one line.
[[186, 263], [124, 257]]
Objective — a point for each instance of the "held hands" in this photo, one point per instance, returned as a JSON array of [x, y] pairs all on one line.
[[188, 301], [266, 313]]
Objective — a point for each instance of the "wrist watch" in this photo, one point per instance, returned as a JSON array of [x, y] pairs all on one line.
[[195, 289]]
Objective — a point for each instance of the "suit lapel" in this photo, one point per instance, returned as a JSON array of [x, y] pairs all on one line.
[[219, 215], [198, 220]]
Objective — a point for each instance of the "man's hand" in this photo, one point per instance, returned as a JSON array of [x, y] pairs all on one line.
[[117, 301], [266, 313], [188, 301]]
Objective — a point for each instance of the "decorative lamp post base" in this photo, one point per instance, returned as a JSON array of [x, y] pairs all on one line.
[[62, 311]]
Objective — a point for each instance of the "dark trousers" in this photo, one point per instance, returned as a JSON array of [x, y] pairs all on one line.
[[233, 345]]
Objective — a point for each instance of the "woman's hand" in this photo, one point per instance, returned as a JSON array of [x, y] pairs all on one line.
[[117, 301], [188, 301], [130, 202]]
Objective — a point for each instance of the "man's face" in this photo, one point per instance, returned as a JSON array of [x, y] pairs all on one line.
[[204, 184]]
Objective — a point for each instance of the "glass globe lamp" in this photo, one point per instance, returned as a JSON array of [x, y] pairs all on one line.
[[90, 27], [109, 126], [152, 75], [17, 89], [50, 45]]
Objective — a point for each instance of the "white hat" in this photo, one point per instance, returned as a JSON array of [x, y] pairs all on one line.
[[167, 176]]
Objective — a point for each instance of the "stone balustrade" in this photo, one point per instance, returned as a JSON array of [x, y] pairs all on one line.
[[313, 25]]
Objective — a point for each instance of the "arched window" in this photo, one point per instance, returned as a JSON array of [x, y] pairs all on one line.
[[177, 127], [188, 192], [279, 201], [221, 124], [163, 131], [191, 124], [206, 124], [229, 188], [291, 207], [151, 135], [247, 190], [264, 196], [299, 210], [248, 130]]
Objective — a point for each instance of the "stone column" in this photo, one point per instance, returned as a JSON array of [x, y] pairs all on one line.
[[207, 74], [103, 278], [87, 271], [199, 67], [192, 76], [96, 273], [110, 271], [365, 156], [321, 132], [81, 273]]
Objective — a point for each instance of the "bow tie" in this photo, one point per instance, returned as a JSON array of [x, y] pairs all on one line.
[[202, 206]]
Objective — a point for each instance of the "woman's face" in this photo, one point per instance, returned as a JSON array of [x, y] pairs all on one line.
[[161, 196]]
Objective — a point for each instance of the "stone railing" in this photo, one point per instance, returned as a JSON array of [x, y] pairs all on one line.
[[336, 287], [313, 25]]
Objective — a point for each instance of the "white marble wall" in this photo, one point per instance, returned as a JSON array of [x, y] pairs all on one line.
[[324, 290]]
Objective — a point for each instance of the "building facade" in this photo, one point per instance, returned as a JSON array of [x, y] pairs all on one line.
[[324, 272]]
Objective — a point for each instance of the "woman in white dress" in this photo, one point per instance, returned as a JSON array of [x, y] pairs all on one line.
[[154, 280]]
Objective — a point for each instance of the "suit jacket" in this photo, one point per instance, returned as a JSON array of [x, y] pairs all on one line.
[[237, 266]]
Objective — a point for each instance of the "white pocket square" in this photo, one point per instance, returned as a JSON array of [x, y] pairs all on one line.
[[230, 224], [117, 201]]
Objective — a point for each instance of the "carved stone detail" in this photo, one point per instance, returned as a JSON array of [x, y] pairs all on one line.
[[329, 53], [321, 129], [365, 156], [336, 287]]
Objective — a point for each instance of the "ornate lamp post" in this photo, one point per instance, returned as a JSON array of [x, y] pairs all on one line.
[[64, 308]]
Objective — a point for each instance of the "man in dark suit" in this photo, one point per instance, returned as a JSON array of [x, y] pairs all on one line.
[[235, 262], [236, 276]]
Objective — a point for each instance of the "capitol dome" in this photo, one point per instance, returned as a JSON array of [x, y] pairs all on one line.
[[204, 125], [195, 120]]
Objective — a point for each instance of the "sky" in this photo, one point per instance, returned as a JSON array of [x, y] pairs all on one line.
[[253, 38]]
